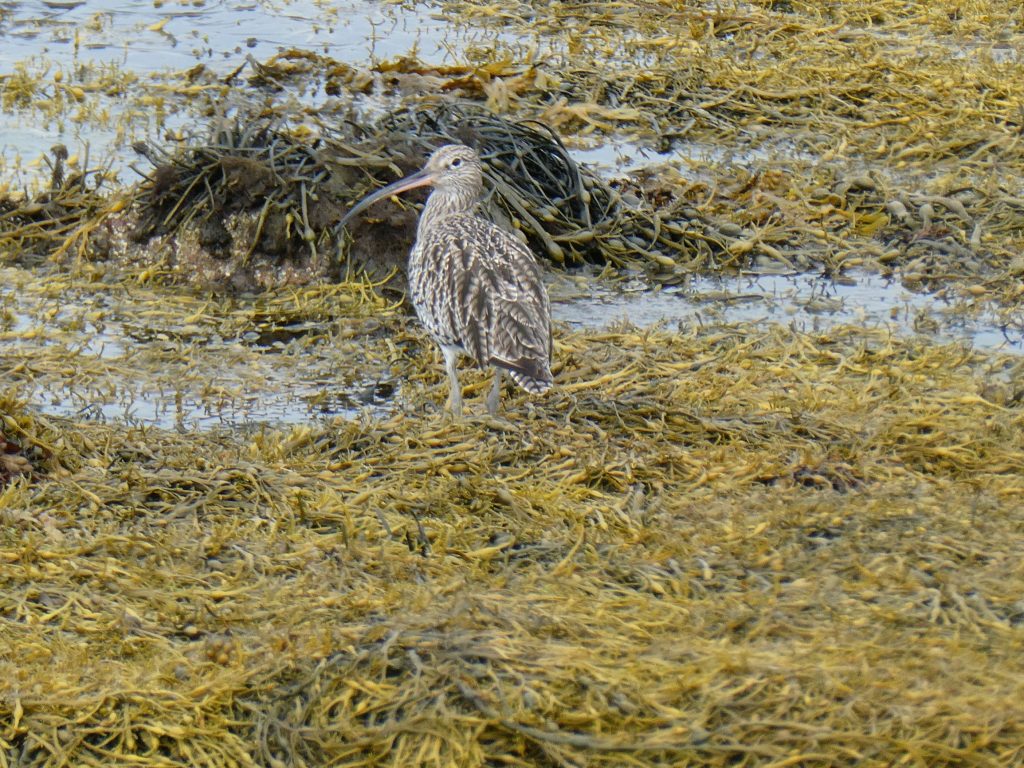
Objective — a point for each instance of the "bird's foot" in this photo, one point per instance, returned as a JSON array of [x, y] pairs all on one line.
[[454, 406], [493, 400], [493, 403]]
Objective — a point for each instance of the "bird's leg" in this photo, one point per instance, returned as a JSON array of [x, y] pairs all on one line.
[[451, 359], [494, 397]]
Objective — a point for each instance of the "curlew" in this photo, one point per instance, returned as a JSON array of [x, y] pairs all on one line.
[[476, 288]]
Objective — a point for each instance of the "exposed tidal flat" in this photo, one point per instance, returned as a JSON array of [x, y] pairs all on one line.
[[768, 515]]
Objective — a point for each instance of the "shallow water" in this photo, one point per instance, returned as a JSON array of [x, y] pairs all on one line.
[[167, 36], [622, 156], [77, 352], [80, 351], [804, 302], [93, 46]]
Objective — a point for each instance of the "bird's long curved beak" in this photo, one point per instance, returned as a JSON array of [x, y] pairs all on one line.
[[418, 179]]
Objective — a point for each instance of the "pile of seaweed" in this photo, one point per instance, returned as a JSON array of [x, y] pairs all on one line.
[[720, 546], [257, 203], [254, 204]]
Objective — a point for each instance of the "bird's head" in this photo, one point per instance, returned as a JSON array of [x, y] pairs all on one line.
[[454, 165], [454, 170]]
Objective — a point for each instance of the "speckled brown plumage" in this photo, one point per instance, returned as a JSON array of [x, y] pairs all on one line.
[[477, 289]]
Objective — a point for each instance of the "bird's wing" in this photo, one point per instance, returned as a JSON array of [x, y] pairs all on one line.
[[498, 301]]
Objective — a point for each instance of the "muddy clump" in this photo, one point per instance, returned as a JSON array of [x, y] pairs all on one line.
[[251, 207], [13, 463]]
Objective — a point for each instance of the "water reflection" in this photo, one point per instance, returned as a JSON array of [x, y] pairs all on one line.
[[804, 302]]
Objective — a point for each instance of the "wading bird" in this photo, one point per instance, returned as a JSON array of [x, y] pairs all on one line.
[[476, 288]]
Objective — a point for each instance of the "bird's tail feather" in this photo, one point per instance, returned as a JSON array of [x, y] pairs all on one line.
[[531, 385], [529, 373], [535, 379]]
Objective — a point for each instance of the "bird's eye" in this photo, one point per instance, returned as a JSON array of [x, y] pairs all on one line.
[[456, 162]]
